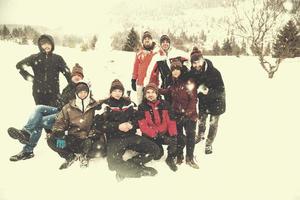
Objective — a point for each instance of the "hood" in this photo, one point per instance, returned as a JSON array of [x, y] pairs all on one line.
[[49, 37]]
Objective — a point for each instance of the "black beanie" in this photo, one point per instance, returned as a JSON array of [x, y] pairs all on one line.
[[146, 34], [196, 54]]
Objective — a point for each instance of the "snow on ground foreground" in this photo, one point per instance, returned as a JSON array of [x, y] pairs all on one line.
[[256, 151]]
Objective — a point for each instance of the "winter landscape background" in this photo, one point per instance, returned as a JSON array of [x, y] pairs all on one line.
[[256, 152]]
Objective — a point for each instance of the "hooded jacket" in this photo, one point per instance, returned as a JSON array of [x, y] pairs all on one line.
[[46, 69], [76, 117]]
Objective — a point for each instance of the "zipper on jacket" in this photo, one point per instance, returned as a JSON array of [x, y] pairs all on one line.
[[82, 106]]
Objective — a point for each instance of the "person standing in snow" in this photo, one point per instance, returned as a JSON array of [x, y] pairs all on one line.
[[118, 120], [211, 95], [158, 124], [183, 96], [144, 59], [46, 67], [43, 117], [73, 132]]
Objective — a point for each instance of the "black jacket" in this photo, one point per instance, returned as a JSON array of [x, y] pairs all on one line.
[[45, 69], [214, 102], [114, 112], [67, 94]]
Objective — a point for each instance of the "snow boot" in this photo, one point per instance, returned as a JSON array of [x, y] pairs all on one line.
[[69, 161], [21, 156], [148, 171], [21, 135], [192, 163], [119, 177], [171, 163], [179, 160], [208, 149]]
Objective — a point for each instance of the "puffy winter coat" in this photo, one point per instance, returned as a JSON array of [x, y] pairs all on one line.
[[46, 69], [114, 112], [156, 118], [76, 118], [183, 101], [214, 102]]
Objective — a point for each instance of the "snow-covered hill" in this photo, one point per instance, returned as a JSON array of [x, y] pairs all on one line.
[[256, 152]]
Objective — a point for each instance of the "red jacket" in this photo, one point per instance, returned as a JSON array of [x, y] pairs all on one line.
[[156, 118], [184, 102], [142, 61]]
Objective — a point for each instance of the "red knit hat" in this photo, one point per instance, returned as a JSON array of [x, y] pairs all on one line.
[[77, 70]]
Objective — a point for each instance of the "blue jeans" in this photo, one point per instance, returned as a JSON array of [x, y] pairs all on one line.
[[42, 117]]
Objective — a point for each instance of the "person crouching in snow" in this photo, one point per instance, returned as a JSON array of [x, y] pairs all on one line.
[[72, 133], [183, 96], [157, 123], [43, 116], [211, 95], [118, 120]]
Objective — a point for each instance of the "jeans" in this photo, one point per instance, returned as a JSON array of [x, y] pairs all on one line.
[[213, 127], [42, 117]]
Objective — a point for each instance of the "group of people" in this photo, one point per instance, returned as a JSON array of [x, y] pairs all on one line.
[[78, 127]]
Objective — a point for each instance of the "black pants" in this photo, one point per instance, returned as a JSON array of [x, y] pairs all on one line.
[[73, 145], [213, 126], [146, 149], [164, 139], [189, 126], [49, 99]]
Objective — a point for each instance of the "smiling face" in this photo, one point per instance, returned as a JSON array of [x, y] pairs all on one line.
[[47, 47], [176, 73], [147, 42], [116, 94], [165, 45], [76, 78], [198, 64], [82, 94], [151, 95]]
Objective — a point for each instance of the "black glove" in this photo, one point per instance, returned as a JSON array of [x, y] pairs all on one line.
[[133, 84]]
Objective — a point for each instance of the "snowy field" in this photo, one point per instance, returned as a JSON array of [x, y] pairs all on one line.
[[256, 151]]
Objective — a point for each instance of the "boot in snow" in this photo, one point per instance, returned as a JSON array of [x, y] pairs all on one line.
[[22, 156], [191, 162], [179, 160], [171, 163], [21, 135], [208, 149], [69, 161], [148, 171]]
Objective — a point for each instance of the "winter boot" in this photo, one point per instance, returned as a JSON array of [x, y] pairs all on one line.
[[171, 163], [192, 163], [22, 156], [69, 161], [180, 158], [208, 149], [148, 171], [84, 161], [199, 137], [21, 135], [119, 177]]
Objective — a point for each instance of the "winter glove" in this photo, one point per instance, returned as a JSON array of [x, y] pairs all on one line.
[[60, 143], [133, 84]]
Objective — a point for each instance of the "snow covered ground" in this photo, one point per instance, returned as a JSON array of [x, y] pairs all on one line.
[[256, 152]]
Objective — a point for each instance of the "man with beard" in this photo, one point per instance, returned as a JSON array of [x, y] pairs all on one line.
[[143, 59], [46, 67]]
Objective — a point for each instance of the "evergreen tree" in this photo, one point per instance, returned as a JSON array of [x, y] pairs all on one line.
[[132, 42], [226, 48], [5, 33], [216, 48], [244, 48], [287, 43], [236, 50], [93, 42]]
